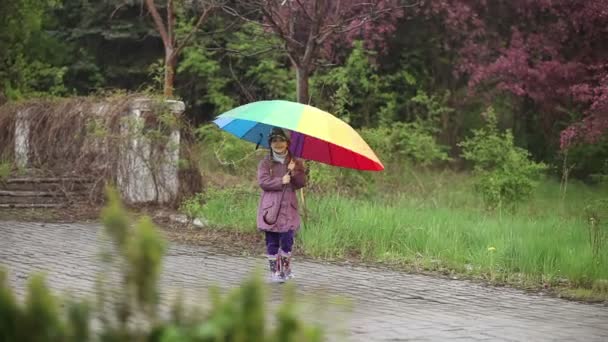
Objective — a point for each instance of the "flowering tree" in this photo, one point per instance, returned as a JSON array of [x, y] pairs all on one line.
[[311, 29], [555, 54]]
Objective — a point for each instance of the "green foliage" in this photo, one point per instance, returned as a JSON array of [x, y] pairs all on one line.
[[193, 206], [27, 52], [260, 68], [200, 64], [429, 110], [589, 161], [78, 319], [365, 96], [41, 313], [115, 220], [144, 254], [40, 318], [353, 88], [222, 71], [406, 143], [10, 313], [240, 316], [505, 174]]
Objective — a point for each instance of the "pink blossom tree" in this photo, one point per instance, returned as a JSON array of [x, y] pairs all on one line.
[[555, 54]]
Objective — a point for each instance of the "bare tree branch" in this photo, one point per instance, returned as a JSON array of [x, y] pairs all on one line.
[[240, 53], [170, 22], [304, 10], [158, 22], [291, 43], [198, 24], [118, 7], [268, 10], [311, 44], [231, 11], [245, 91], [362, 18]]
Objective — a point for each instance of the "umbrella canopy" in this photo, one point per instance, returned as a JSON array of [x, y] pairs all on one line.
[[316, 135]]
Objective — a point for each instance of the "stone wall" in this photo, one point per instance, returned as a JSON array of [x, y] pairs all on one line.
[[139, 179]]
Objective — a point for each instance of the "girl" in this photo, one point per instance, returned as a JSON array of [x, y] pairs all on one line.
[[279, 176]]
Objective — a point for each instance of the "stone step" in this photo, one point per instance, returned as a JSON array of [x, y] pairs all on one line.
[[31, 205], [46, 184], [26, 193], [35, 192], [36, 199]]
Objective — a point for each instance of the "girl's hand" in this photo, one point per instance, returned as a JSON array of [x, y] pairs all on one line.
[[286, 179]]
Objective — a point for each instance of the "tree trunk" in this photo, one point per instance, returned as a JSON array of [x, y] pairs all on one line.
[[302, 75], [170, 63]]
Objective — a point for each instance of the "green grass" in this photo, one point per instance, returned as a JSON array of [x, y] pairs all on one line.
[[441, 224], [537, 248]]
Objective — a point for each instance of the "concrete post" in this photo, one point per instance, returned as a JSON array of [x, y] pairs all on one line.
[[22, 139], [140, 178]]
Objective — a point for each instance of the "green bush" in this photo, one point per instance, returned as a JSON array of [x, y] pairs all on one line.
[[589, 161], [399, 147], [239, 316], [412, 142], [505, 175]]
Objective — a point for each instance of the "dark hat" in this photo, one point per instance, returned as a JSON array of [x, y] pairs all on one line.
[[278, 132]]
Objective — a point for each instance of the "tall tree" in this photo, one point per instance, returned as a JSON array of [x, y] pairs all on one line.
[[311, 29], [168, 32]]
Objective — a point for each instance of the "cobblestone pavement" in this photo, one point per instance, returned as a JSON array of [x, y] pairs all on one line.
[[385, 305]]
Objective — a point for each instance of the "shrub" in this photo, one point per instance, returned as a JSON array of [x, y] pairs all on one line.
[[505, 175]]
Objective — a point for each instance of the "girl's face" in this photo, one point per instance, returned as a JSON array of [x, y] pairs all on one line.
[[278, 145]]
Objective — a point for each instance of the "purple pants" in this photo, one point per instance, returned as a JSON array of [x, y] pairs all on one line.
[[274, 241]]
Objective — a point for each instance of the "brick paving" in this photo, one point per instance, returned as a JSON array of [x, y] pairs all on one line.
[[380, 305]]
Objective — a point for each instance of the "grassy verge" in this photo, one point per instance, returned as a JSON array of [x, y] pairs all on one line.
[[444, 228]]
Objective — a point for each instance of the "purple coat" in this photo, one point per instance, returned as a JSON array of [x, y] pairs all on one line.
[[270, 174]]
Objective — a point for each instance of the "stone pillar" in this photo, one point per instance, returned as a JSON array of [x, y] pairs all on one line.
[[143, 179], [22, 139]]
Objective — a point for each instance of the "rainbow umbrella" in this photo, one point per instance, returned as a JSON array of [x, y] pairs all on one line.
[[315, 134]]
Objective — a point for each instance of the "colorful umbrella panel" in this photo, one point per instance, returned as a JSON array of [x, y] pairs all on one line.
[[316, 135]]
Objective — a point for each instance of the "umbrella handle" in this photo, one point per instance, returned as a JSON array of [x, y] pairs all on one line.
[[280, 204]]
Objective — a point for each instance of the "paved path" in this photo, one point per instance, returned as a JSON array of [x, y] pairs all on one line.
[[386, 305]]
